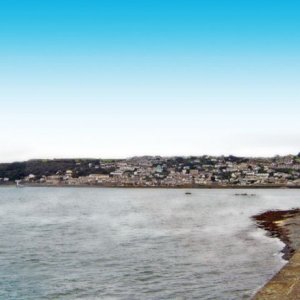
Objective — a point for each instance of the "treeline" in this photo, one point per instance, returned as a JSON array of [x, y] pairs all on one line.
[[80, 167]]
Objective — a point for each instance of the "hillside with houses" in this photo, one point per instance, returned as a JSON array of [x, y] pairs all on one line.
[[156, 171]]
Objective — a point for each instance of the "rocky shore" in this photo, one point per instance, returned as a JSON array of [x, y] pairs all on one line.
[[284, 225]]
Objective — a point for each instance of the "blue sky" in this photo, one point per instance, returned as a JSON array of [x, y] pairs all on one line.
[[117, 78]]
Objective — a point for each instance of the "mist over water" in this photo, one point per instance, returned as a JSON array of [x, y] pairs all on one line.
[[72, 243]]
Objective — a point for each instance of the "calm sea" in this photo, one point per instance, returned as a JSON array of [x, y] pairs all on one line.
[[92, 243]]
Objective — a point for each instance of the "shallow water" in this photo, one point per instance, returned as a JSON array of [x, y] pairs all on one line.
[[89, 243]]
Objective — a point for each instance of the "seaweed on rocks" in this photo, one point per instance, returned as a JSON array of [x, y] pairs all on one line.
[[273, 222]]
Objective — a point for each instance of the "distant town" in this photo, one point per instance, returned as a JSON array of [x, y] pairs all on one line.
[[155, 171]]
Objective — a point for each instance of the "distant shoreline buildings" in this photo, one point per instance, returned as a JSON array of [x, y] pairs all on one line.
[[156, 171]]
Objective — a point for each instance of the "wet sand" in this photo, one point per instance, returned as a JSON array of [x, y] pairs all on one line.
[[284, 225]]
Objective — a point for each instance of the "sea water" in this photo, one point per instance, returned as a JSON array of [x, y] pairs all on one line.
[[101, 243]]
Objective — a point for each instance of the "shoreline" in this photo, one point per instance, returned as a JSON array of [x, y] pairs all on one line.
[[277, 223], [215, 186], [285, 225]]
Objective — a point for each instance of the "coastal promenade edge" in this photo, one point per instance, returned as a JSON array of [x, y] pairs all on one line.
[[285, 285]]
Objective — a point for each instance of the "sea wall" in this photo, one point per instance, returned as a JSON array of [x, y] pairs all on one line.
[[286, 226]]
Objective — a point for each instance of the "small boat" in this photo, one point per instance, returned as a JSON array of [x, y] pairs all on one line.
[[188, 193]]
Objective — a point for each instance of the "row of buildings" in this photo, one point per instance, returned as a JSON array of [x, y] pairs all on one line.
[[204, 171]]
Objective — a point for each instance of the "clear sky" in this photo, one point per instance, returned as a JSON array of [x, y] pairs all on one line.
[[118, 78]]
